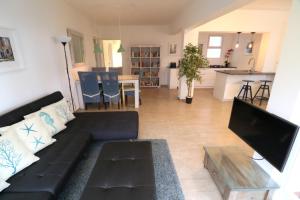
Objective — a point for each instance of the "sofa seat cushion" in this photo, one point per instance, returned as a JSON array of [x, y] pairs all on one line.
[[55, 165], [124, 170], [108, 125], [26, 195]]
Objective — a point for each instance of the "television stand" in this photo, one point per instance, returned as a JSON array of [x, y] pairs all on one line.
[[236, 175]]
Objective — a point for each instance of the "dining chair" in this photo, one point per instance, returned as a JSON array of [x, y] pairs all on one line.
[[129, 90], [119, 70], [111, 91], [99, 69], [89, 87]]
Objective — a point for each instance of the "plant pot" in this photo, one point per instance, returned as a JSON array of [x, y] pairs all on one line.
[[188, 100]]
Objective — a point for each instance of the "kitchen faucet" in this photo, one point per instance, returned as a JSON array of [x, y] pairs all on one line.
[[252, 69]]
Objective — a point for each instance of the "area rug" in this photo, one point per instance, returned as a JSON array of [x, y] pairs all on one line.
[[167, 183]]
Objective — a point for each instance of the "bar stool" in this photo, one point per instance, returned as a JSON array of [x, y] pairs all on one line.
[[247, 88], [263, 86]]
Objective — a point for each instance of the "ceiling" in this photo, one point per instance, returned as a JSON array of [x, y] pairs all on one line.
[[151, 12], [270, 5], [132, 12]]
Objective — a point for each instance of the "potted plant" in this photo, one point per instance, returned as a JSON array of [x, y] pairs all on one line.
[[190, 66], [227, 57]]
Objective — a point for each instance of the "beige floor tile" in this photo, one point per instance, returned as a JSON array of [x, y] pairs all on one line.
[[187, 129]]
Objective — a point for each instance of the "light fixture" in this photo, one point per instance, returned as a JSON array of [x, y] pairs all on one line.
[[97, 48], [121, 48], [64, 40], [238, 40], [250, 44]]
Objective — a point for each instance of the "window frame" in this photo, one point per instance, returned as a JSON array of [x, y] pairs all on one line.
[[215, 47], [71, 33]]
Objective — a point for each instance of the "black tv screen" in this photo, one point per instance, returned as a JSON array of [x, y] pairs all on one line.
[[269, 135]]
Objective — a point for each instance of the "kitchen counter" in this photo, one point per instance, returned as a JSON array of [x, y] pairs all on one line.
[[229, 82], [244, 72]]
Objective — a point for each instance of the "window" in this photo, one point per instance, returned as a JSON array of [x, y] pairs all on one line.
[[76, 46], [214, 49], [112, 58]]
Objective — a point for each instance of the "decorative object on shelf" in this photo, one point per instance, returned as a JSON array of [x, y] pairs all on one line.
[[227, 57], [237, 44], [145, 61], [190, 67], [121, 48], [250, 44], [10, 57], [64, 40]]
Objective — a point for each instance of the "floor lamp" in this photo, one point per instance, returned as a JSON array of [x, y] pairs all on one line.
[[64, 40]]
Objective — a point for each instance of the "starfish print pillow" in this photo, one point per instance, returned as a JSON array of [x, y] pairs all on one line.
[[34, 135], [14, 155], [3, 185], [50, 120], [62, 109]]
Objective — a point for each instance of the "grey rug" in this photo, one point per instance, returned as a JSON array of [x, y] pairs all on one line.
[[167, 183]]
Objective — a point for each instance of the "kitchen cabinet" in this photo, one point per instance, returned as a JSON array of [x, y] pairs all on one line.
[[208, 77]]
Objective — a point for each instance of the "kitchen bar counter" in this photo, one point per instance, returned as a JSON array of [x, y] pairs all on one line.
[[229, 82], [244, 72]]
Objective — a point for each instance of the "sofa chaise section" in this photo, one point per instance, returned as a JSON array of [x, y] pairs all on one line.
[[44, 179]]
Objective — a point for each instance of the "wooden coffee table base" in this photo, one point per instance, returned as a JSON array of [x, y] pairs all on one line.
[[236, 175]]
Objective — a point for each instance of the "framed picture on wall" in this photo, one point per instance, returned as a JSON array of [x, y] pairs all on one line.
[[10, 55], [173, 49]]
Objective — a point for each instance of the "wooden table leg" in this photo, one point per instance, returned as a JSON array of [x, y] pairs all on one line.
[[123, 95], [136, 94]]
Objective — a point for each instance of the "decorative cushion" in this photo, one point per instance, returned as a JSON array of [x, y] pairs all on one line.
[[62, 109], [32, 133], [3, 185], [50, 119], [14, 156]]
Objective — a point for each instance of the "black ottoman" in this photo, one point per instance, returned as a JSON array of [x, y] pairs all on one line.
[[124, 170]]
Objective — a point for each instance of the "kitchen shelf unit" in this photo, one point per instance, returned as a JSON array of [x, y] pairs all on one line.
[[145, 61]]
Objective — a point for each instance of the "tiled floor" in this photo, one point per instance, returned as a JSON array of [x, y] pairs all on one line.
[[188, 128]]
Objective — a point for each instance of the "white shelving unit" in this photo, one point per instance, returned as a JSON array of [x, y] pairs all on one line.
[[145, 61]]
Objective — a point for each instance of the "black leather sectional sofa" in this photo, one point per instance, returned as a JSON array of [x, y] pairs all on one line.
[[45, 179]]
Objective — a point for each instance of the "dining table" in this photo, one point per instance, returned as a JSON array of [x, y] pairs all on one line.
[[123, 79]]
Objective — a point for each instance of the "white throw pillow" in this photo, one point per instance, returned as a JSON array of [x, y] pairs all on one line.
[[3, 185], [3, 129], [14, 156], [32, 133], [50, 119], [62, 109]]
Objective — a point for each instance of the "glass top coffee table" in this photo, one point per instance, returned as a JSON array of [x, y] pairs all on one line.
[[236, 175]]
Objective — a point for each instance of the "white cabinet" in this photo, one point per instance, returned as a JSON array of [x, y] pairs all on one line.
[[173, 78], [208, 77]]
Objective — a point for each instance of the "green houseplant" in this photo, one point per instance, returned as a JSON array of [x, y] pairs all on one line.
[[190, 66]]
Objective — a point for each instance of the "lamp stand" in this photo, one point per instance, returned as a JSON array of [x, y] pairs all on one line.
[[67, 68]]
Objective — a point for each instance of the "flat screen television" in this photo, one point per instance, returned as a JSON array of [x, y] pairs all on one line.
[[269, 135]]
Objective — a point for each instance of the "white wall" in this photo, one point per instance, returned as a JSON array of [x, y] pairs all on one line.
[[269, 22], [37, 23], [226, 44], [285, 102], [238, 57], [145, 35], [197, 12]]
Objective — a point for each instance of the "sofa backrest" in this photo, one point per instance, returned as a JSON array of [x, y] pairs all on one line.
[[17, 114]]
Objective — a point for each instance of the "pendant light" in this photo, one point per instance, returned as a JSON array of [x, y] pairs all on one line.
[[238, 40], [121, 48], [250, 44], [97, 48]]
